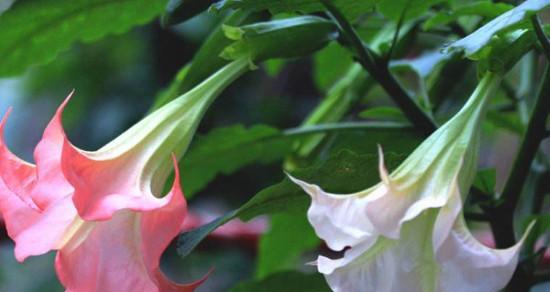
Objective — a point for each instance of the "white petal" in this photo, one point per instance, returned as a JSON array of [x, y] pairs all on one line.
[[468, 265], [388, 265], [447, 217], [340, 220]]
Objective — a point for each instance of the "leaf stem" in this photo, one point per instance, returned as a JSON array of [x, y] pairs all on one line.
[[381, 73]]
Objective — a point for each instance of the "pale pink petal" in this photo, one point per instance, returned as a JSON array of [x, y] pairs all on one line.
[[35, 206], [102, 187], [123, 253]]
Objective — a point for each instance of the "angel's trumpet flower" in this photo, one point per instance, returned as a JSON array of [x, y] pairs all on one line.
[[103, 210], [407, 232]]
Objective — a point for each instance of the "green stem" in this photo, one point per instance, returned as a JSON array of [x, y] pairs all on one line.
[[381, 73], [323, 128]]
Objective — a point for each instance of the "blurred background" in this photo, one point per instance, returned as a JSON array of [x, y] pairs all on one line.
[[117, 80]]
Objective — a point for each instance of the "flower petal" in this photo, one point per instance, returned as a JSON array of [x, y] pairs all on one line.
[[340, 220], [33, 199], [468, 264], [123, 253], [103, 187]]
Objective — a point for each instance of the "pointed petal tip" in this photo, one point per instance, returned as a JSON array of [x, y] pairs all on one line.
[[384, 176], [311, 189], [66, 101], [4, 121]]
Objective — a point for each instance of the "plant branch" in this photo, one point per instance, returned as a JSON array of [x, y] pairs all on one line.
[[539, 31], [380, 72], [369, 125], [536, 130]]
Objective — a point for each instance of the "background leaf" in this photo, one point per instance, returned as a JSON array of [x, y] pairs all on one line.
[[474, 42], [350, 8], [34, 32], [393, 9], [282, 245], [225, 150]]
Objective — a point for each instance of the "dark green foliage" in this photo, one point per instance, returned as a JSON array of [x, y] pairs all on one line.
[[34, 32]]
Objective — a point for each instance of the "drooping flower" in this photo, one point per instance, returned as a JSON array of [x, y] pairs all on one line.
[[103, 210], [407, 232]]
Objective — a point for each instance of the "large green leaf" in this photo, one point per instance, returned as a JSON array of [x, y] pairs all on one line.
[[473, 43], [282, 245], [34, 32], [351, 8], [286, 282], [225, 150]]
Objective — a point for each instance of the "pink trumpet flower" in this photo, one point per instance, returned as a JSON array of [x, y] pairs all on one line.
[[103, 210]]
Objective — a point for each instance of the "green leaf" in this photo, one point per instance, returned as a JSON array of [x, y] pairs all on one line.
[[282, 245], [331, 63], [178, 11], [224, 150], [34, 32], [385, 113], [506, 120], [261, 41], [286, 282], [473, 43], [486, 9], [393, 9], [505, 50], [350, 8], [485, 180]]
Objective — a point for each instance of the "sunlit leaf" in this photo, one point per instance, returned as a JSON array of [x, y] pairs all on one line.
[[34, 32], [476, 41]]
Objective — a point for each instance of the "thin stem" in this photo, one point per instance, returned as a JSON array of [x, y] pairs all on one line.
[[536, 130], [322, 128], [380, 72], [541, 36], [396, 33]]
